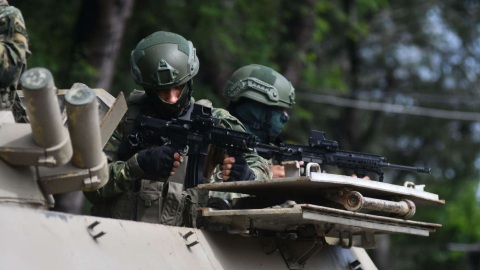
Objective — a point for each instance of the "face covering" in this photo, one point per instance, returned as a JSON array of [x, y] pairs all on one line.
[[266, 122], [169, 110]]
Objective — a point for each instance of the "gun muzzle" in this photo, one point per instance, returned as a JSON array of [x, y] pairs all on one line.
[[405, 168], [424, 170]]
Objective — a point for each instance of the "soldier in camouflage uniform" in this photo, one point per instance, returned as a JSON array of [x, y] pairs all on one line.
[[13, 52], [146, 181], [259, 97]]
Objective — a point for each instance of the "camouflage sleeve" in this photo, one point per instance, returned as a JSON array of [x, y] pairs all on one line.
[[122, 174], [258, 164], [13, 45]]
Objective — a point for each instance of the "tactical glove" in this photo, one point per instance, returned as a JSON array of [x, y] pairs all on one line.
[[158, 160], [240, 170]]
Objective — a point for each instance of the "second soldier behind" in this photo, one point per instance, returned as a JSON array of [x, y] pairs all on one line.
[[13, 52], [259, 97], [146, 181]]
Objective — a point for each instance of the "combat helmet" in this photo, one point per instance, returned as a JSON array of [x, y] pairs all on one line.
[[262, 84], [165, 60], [259, 95]]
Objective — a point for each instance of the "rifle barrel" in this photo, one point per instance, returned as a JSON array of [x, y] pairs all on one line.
[[274, 148], [405, 168]]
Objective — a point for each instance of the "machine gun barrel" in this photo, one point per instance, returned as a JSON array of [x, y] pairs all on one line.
[[405, 168], [326, 152], [273, 148]]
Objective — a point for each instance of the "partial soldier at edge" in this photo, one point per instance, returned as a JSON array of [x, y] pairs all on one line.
[[13, 52]]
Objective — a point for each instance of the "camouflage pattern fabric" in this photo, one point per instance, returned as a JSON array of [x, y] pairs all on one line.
[[258, 164], [125, 175], [13, 52]]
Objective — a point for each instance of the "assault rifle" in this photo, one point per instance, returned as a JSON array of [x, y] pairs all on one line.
[[326, 152], [196, 134]]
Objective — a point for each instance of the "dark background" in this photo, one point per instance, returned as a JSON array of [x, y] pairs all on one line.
[[404, 55]]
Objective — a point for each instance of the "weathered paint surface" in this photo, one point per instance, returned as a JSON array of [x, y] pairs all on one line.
[[308, 185], [283, 219], [36, 239]]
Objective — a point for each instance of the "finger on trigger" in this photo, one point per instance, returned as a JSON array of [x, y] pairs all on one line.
[[229, 160], [227, 166], [226, 172]]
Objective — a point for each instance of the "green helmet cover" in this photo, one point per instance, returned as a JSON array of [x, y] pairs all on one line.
[[162, 61], [262, 84]]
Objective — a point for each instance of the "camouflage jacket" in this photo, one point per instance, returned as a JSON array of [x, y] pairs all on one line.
[[13, 52], [128, 181]]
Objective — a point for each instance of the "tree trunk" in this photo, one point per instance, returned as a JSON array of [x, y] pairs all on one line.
[[106, 37], [348, 128], [300, 32]]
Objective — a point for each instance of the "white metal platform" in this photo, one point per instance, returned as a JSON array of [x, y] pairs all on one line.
[[314, 184]]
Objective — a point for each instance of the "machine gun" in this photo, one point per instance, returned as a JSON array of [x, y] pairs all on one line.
[[326, 152], [196, 134]]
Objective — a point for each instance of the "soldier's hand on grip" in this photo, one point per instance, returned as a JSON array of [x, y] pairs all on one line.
[[278, 171], [365, 177], [236, 169], [162, 160]]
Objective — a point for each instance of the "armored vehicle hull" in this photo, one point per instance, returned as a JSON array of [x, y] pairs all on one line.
[[39, 239]]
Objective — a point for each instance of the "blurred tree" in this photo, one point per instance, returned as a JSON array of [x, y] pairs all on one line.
[[100, 29]]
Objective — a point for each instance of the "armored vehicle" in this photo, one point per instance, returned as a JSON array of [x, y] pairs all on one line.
[[308, 220]]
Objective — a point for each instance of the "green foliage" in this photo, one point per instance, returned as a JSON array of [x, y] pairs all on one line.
[[329, 77], [322, 27], [463, 214], [302, 113], [51, 39], [367, 6]]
